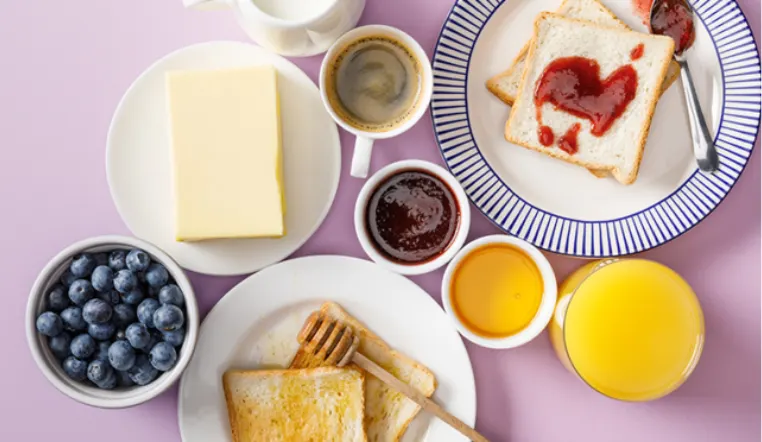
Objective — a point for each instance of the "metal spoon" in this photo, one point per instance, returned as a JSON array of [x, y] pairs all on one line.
[[660, 23]]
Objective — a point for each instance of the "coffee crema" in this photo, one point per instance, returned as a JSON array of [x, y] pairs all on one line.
[[374, 83], [412, 217]]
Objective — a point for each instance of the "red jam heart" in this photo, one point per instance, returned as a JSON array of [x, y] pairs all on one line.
[[574, 85]]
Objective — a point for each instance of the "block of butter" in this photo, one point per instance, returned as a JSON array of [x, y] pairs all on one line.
[[226, 149]]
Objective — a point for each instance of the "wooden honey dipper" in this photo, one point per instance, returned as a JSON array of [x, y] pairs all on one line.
[[325, 341]]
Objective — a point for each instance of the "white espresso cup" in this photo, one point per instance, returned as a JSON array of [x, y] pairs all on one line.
[[367, 132]]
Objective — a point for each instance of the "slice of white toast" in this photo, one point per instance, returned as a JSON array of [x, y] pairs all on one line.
[[387, 412], [505, 85], [620, 149], [316, 404]]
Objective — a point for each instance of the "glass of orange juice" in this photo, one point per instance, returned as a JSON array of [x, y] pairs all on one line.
[[632, 329]]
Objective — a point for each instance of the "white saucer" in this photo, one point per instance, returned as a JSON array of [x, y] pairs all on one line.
[[138, 161], [255, 326]]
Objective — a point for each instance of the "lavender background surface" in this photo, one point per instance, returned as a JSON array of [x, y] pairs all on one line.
[[65, 64]]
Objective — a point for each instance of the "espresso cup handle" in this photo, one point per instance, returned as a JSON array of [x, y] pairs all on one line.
[[361, 157]]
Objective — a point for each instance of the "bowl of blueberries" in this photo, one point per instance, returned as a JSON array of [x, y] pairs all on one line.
[[112, 321]]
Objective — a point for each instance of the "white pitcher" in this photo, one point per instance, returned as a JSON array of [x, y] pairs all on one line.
[[293, 28]]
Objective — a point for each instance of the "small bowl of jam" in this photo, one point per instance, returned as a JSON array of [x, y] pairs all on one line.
[[412, 217]]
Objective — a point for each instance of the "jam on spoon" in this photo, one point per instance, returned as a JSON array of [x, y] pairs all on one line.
[[674, 18]]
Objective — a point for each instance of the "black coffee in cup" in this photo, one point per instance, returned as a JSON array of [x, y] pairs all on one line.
[[374, 83]]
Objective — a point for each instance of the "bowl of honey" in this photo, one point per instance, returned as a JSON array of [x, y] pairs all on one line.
[[500, 291]]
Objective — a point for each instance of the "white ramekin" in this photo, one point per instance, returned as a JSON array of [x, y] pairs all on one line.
[[50, 367], [460, 235], [547, 303]]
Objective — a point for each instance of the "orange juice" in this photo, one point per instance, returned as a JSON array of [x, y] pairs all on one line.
[[496, 290], [631, 329]]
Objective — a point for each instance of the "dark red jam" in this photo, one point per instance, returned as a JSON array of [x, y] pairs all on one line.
[[568, 142], [546, 136], [637, 52], [574, 85], [674, 18], [642, 9], [412, 217]]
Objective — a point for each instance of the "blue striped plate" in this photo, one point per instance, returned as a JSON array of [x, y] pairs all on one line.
[[560, 207]]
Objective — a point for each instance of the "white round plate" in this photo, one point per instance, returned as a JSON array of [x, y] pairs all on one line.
[[255, 326], [563, 208], [138, 161]]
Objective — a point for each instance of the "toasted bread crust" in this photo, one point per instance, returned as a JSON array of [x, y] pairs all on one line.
[[650, 106], [493, 83]]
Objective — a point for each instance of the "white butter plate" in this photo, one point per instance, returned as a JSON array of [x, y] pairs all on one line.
[[138, 161], [563, 208], [256, 323]]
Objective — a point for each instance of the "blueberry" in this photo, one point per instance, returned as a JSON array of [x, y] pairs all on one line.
[[125, 281], [116, 260], [59, 345], [142, 373], [138, 336], [156, 275], [171, 294], [101, 259], [81, 291], [68, 278], [120, 335], [98, 371], [97, 311], [146, 311], [72, 319], [134, 297], [102, 278], [109, 383], [154, 291], [137, 260], [124, 315], [58, 298], [121, 355], [112, 297], [82, 265], [101, 332], [168, 317], [156, 337], [163, 356], [102, 352], [82, 346], [174, 337], [49, 324], [74, 368], [123, 379]]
